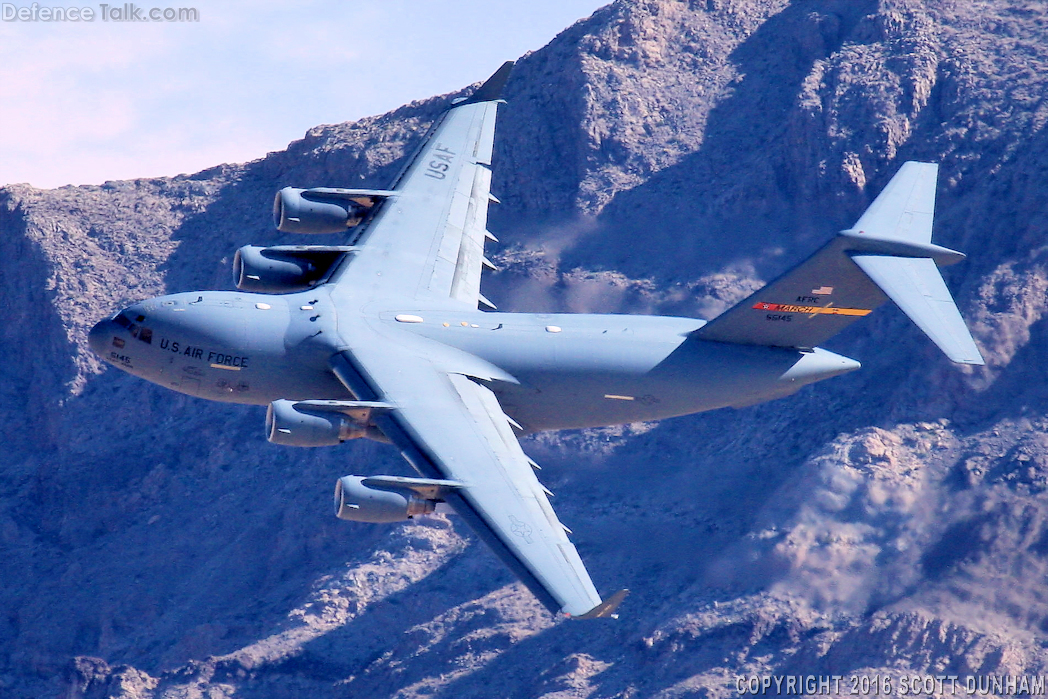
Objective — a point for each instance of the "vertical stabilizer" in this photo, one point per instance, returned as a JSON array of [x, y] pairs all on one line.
[[905, 208]]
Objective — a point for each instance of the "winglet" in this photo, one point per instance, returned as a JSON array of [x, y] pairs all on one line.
[[605, 609], [492, 89]]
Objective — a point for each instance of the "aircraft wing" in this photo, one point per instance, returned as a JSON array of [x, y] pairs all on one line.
[[449, 426], [427, 240]]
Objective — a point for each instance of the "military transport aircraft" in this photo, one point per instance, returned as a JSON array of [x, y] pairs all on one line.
[[384, 337]]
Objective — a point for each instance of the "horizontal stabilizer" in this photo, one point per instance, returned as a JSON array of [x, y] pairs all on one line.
[[917, 287]]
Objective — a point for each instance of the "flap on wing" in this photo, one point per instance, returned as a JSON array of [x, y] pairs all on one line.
[[460, 254]]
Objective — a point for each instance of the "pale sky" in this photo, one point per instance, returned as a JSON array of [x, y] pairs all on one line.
[[85, 102]]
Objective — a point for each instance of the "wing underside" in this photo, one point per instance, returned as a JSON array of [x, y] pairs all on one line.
[[424, 245], [449, 426]]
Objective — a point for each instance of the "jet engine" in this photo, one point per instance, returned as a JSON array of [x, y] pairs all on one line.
[[363, 499], [322, 209], [282, 269], [297, 424]]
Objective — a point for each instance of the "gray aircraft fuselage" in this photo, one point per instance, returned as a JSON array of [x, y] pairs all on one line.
[[388, 343], [560, 370]]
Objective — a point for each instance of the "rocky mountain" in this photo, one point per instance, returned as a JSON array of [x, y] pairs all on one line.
[[660, 156]]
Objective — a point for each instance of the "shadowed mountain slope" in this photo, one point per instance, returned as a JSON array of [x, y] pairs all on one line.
[[660, 156]]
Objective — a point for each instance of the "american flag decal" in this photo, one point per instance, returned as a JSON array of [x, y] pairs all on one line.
[[822, 291]]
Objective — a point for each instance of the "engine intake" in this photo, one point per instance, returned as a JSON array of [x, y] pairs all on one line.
[[322, 209], [295, 424], [358, 500]]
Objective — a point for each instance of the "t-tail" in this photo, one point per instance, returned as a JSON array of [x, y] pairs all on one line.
[[888, 254]]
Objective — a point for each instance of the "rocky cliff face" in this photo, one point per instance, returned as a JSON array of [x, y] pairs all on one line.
[[660, 156]]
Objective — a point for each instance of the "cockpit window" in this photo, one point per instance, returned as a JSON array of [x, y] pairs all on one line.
[[136, 330]]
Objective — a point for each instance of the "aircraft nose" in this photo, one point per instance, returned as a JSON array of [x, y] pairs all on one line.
[[99, 336]]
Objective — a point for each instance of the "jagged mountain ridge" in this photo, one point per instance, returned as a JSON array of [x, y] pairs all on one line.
[[660, 156]]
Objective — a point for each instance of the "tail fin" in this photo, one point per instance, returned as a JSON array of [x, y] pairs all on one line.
[[888, 254], [905, 207]]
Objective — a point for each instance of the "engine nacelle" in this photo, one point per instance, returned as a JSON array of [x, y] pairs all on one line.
[[282, 269], [257, 269], [295, 424], [357, 501], [316, 211]]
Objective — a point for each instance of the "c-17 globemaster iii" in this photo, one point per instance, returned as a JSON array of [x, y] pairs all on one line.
[[384, 337]]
